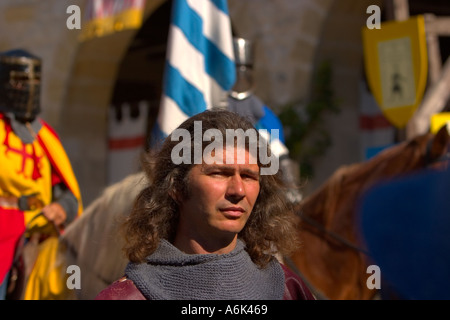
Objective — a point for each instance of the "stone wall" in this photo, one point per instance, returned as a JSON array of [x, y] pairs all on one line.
[[341, 45], [286, 36], [40, 27]]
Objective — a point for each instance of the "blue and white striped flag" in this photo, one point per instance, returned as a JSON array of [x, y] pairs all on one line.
[[200, 64]]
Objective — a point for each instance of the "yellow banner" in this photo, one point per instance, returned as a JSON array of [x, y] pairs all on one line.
[[106, 17], [396, 65]]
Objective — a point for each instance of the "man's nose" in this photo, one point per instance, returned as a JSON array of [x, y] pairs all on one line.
[[235, 189]]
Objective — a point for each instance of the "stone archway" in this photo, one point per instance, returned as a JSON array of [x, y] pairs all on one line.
[[136, 98], [88, 95]]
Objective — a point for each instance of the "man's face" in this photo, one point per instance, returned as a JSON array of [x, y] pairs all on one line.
[[221, 198]]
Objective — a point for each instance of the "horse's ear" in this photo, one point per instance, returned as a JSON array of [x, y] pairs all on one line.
[[440, 142]]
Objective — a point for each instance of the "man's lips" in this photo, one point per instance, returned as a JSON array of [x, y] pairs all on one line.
[[233, 212]]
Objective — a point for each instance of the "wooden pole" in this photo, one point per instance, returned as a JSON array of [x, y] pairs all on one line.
[[439, 25], [438, 93], [434, 101], [401, 10], [434, 54]]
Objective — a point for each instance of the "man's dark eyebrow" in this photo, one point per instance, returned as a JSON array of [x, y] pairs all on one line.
[[212, 167], [251, 172], [225, 168]]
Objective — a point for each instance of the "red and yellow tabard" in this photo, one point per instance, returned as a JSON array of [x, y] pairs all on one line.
[[28, 169]]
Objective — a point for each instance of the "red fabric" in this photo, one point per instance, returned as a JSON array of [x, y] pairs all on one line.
[[12, 226], [122, 289], [56, 179], [8, 130], [295, 288], [126, 143], [374, 122]]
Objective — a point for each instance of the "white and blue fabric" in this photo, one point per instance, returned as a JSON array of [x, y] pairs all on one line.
[[269, 122], [264, 119], [200, 62]]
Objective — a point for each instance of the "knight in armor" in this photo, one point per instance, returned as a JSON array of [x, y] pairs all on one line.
[[242, 100], [39, 194]]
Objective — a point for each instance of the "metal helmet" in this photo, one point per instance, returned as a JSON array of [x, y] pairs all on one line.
[[243, 52], [20, 84], [243, 56]]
